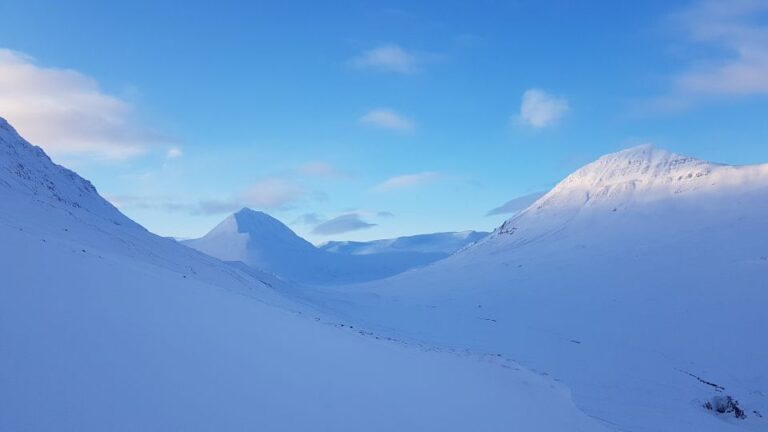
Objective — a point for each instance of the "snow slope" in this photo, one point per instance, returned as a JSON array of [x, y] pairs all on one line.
[[105, 326], [640, 281], [442, 244], [263, 242]]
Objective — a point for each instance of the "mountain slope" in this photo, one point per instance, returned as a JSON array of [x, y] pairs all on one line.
[[444, 244], [105, 326], [640, 281], [263, 242]]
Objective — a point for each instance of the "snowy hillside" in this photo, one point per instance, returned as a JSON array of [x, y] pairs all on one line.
[[105, 326], [436, 243], [263, 242], [640, 282]]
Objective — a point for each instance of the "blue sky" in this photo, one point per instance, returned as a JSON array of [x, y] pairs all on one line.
[[363, 120]]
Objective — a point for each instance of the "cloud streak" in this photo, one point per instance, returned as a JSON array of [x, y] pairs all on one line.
[[321, 169], [540, 109], [735, 35], [66, 113], [266, 194], [516, 205], [385, 118], [405, 181], [387, 58], [738, 28], [342, 224]]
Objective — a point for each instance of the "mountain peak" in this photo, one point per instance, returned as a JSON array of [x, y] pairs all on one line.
[[620, 175], [640, 174], [641, 164], [252, 221]]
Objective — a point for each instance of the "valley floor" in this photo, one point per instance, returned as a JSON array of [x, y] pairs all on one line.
[[93, 341]]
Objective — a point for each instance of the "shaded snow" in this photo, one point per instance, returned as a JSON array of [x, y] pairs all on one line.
[[105, 326]]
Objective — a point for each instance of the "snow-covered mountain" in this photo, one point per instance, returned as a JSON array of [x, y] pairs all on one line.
[[640, 281], [265, 243], [444, 243], [106, 326]]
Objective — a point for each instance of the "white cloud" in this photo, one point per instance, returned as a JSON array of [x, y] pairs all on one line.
[[174, 153], [738, 29], [516, 205], [321, 169], [388, 119], [342, 224], [272, 192], [540, 109], [405, 181], [65, 111], [268, 193], [388, 57]]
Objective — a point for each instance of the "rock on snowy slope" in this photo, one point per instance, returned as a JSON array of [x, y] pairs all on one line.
[[640, 281], [441, 244], [265, 243], [105, 326]]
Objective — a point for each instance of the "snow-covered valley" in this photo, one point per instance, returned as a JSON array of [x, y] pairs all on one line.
[[626, 299], [640, 281], [105, 326]]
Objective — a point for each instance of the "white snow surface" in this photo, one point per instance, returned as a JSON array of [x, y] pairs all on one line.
[[634, 276], [106, 326], [263, 242]]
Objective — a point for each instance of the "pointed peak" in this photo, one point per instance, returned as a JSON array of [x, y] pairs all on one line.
[[247, 211], [247, 217]]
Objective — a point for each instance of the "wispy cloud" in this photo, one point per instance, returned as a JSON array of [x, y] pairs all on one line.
[[271, 193], [386, 118], [405, 181], [311, 218], [66, 113], [266, 194], [540, 109], [322, 170], [342, 224], [735, 36], [516, 205], [161, 203], [388, 58], [174, 153]]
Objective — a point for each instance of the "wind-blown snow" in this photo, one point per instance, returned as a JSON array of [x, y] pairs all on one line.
[[105, 326], [640, 281]]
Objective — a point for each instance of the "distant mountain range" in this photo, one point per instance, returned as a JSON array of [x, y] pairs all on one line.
[[444, 243], [263, 242]]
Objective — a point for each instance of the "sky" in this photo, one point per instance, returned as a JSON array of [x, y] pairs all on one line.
[[354, 120]]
